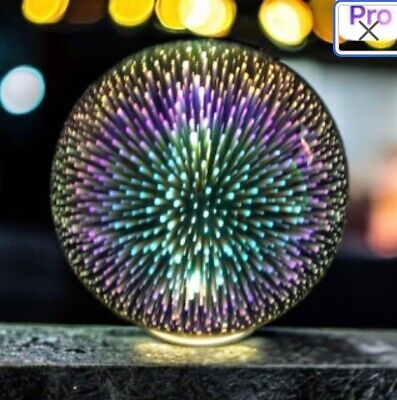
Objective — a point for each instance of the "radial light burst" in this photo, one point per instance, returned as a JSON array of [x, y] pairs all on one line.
[[199, 190]]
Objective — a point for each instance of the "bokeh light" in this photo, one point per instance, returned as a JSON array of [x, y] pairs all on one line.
[[381, 44], [86, 11], [323, 19], [286, 22], [130, 13], [44, 11], [211, 18], [22, 90], [167, 12]]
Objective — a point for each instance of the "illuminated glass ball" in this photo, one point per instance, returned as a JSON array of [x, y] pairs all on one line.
[[199, 190]]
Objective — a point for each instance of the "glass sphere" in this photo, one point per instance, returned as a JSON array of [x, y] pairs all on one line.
[[199, 190]]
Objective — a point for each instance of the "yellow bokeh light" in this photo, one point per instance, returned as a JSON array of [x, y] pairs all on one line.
[[44, 11], [194, 12], [323, 19], [167, 12], [381, 44], [130, 12], [212, 18], [286, 22]]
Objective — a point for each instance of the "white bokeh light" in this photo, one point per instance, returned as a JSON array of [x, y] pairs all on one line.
[[22, 90]]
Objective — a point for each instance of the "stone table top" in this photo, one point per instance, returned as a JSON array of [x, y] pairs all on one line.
[[109, 362]]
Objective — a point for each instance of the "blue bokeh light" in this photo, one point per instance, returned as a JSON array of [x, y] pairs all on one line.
[[22, 90]]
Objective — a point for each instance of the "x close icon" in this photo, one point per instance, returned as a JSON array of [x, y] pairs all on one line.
[[368, 30]]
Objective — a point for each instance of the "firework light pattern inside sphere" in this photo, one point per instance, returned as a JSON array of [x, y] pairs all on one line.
[[199, 190]]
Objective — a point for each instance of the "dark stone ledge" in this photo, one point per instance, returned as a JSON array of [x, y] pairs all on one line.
[[112, 363]]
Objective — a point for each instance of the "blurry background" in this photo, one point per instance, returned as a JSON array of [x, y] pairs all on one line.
[[81, 39]]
